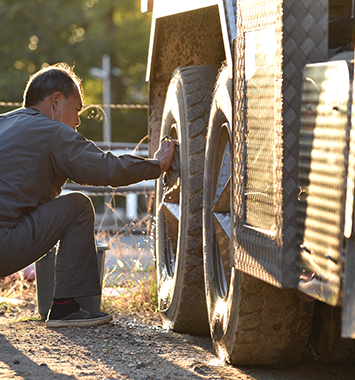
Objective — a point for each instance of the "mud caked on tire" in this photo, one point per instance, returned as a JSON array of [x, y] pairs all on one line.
[[178, 245], [251, 322]]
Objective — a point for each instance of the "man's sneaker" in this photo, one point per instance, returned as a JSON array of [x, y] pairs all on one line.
[[80, 318]]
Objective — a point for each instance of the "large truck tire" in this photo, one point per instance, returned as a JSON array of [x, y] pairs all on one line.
[[325, 340], [181, 294], [251, 322]]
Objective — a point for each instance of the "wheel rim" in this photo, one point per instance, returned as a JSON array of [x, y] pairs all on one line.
[[170, 204], [221, 211]]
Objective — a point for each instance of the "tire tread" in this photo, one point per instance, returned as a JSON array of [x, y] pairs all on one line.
[[197, 83]]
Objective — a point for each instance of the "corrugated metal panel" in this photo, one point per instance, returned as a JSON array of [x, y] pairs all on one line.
[[260, 134], [265, 233], [324, 139]]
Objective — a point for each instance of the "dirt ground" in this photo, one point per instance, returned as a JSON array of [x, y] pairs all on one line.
[[132, 346]]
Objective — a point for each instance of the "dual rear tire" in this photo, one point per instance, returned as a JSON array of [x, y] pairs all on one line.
[[251, 322], [199, 290]]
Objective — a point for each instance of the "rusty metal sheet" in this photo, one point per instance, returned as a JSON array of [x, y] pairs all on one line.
[[183, 39], [324, 137], [185, 33]]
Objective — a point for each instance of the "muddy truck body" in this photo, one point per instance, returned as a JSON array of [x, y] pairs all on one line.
[[254, 224]]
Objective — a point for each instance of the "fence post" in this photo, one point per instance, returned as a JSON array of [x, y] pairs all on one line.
[[131, 206]]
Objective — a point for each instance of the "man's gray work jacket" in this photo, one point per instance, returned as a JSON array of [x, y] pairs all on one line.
[[38, 155]]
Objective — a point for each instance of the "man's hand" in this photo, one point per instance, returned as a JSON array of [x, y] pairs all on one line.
[[165, 154]]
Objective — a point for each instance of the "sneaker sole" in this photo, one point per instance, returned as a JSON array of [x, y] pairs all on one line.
[[79, 322]]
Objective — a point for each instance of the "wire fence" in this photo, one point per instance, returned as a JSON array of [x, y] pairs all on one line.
[[125, 106]]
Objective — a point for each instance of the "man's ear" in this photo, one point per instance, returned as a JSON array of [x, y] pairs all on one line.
[[56, 99]]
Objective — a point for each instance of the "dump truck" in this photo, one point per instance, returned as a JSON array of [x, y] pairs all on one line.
[[254, 225]]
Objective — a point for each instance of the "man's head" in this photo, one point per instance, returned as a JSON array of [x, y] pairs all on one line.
[[56, 91]]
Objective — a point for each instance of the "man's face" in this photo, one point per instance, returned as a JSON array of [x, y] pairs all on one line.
[[71, 107]]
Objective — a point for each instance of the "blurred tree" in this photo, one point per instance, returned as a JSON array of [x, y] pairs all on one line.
[[36, 33]]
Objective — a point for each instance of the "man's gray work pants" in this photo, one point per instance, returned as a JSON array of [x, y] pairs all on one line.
[[69, 220]]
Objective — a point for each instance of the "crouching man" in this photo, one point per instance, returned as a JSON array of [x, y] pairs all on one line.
[[40, 150]]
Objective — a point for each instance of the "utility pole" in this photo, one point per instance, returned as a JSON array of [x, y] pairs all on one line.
[[105, 74], [106, 67]]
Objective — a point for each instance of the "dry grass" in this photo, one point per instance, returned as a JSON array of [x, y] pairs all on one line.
[[17, 296], [134, 287], [126, 290], [137, 295]]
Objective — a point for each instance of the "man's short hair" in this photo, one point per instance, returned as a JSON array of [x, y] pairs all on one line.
[[59, 77]]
